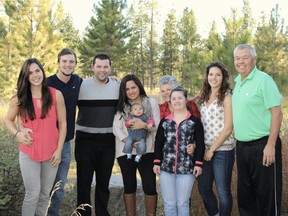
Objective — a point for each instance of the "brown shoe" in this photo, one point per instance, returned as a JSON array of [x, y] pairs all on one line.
[[151, 205], [130, 204]]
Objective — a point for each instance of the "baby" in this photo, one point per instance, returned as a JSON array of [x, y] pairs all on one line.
[[138, 135]]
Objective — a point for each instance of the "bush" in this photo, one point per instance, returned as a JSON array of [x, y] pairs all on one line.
[[11, 184]]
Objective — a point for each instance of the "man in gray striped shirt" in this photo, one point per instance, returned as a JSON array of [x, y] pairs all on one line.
[[95, 142]]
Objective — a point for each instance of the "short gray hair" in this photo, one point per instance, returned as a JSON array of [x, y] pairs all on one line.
[[246, 46], [168, 79]]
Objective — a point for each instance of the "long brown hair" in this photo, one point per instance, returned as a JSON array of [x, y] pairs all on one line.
[[123, 99], [224, 88], [24, 92]]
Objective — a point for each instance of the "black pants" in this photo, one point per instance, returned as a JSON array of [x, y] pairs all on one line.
[[145, 167], [94, 153], [259, 187]]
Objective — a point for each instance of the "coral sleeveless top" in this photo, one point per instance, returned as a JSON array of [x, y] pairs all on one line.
[[45, 132]]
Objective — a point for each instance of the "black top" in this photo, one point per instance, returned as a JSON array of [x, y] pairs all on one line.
[[70, 91], [171, 142]]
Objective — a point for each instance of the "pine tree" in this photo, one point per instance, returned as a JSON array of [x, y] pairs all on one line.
[[31, 31], [107, 32], [170, 45], [235, 34], [271, 43], [69, 34], [190, 50], [152, 47], [136, 47], [214, 44]]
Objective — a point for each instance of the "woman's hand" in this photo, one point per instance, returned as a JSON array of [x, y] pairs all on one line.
[[197, 171], [190, 148], [56, 158], [138, 124], [156, 169], [131, 122], [208, 155], [24, 137]]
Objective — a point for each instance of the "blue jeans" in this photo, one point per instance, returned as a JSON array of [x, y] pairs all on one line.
[[141, 147], [176, 191], [219, 169], [62, 174]]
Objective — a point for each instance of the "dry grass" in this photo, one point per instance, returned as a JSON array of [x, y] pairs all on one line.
[[76, 211], [197, 208], [3, 110], [80, 207]]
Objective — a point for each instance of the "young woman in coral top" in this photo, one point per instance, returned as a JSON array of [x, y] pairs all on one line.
[[42, 110]]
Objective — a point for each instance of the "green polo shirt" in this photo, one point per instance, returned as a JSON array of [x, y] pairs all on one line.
[[251, 101]]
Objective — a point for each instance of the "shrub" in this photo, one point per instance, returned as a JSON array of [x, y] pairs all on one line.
[[11, 185]]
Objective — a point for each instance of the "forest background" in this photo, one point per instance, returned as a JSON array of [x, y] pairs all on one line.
[[130, 35]]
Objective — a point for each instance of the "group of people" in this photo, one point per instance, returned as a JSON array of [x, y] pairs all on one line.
[[173, 140]]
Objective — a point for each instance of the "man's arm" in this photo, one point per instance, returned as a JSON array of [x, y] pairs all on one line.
[[269, 150]]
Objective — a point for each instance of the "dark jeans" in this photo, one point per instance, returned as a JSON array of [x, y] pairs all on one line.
[[94, 153], [259, 187], [145, 167], [219, 169]]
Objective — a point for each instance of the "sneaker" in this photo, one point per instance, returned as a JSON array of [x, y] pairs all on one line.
[[129, 156], [137, 159]]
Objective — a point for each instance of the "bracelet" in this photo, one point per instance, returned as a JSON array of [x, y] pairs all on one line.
[[16, 133]]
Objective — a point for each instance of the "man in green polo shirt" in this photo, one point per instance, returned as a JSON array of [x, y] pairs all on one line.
[[257, 116]]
